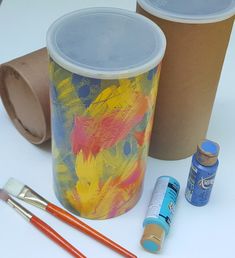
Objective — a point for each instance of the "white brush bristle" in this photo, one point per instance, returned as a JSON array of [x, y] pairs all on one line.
[[3, 195], [13, 187]]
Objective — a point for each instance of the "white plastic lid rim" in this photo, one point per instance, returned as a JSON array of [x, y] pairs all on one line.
[[106, 43], [190, 11]]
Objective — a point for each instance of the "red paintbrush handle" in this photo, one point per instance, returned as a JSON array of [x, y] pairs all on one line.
[[53, 235], [78, 224]]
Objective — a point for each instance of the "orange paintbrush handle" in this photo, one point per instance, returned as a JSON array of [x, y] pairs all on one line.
[[53, 235], [78, 224]]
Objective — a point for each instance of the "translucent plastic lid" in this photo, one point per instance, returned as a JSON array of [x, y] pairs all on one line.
[[106, 43], [190, 11]]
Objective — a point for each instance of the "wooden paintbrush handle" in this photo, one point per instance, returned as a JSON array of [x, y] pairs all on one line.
[[78, 224], [53, 235]]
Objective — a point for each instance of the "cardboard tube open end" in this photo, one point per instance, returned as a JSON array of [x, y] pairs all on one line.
[[22, 105]]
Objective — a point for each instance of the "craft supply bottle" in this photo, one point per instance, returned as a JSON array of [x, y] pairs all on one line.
[[202, 173], [159, 214]]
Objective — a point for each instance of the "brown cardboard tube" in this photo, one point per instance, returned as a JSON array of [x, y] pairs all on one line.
[[24, 86], [187, 88]]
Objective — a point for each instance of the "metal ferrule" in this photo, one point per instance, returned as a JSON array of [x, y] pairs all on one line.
[[31, 197], [20, 209]]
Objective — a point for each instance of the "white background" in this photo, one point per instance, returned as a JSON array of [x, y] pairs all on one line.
[[196, 232]]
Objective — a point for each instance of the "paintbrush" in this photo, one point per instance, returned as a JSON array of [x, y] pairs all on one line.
[[40, 225], [25, 193]]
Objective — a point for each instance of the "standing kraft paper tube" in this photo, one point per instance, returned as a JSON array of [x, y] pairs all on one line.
[[197, 33], [104, 69], [24, 88]]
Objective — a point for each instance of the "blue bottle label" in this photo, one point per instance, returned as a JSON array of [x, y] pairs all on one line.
[[163, 201], [207, 183], [191, 183], [199, 186]]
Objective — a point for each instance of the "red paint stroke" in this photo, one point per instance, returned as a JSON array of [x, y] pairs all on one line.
[[93, 134], [132, 179], [140, 136]]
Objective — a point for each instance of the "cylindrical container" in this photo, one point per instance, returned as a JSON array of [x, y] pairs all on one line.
[[197, 37], [24, 87], [202, 173], [104, 70], [160, 212]]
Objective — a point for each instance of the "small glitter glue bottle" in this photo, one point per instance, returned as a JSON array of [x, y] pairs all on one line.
[[159, 214], [202, 173]]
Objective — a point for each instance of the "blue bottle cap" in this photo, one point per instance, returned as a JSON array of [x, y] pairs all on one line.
[[150, 245], [207, 153], [153, 238]]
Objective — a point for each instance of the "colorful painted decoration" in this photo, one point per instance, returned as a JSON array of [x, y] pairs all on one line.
[[101, 131]]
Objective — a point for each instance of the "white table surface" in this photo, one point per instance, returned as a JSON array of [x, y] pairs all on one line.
[[196, 232]]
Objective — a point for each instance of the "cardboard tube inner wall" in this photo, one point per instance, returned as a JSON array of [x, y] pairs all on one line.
[[24, 86], [189, 78]]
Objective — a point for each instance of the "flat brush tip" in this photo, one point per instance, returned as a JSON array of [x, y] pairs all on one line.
[[3, 195], [13, 187]]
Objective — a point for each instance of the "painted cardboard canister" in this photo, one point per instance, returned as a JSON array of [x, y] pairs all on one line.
[[197, 33], [104, 71]]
